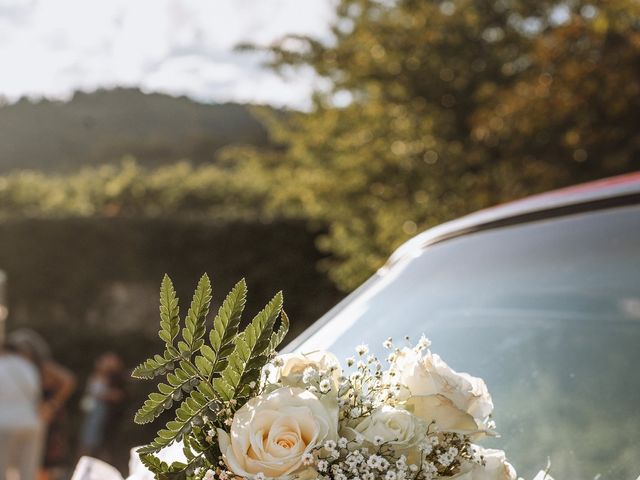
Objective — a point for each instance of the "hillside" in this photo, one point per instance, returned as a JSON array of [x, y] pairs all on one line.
[[101, 127]]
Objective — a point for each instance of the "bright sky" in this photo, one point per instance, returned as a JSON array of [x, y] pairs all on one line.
[[52, 47]]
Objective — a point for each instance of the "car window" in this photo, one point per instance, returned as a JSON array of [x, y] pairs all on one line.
[[548, 313]]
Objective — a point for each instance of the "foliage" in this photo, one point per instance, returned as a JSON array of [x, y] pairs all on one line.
[[438, 108], [203, 378], [128, 189]]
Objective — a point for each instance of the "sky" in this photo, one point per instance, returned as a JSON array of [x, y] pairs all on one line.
[[50, 48]]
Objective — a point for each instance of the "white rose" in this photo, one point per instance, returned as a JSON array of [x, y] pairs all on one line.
[[392, 426], [430, 375], [496, 467], [294, 365], [271, 433]]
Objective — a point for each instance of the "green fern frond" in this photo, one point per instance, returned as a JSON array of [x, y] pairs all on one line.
[[180, 382], [169, 312], [157, 365], [247, 355], [278, 336], [201, 401], [225, 326], [195, 322], [202, 378]]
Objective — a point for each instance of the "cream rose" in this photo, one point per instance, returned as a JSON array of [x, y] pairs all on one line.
[[429, 375], [294, 365], [392, 426], [271, 433], [496, 467]]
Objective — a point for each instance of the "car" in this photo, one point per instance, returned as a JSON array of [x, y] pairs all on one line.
[[541, 298]]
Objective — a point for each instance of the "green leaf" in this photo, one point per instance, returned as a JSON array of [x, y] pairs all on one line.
[[195, 405], [226, 323], [178, 382], [169, 312], [195, 325], [278, 336], [250, 345], [158, 365]]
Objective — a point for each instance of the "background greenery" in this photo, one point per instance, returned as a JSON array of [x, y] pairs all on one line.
[[431, 109]]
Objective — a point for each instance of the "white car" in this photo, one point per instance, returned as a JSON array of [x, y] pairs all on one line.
[[541, 298]]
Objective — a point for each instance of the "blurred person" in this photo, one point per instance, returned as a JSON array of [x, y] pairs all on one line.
[[102, 403], [21, 429], [57, 385]]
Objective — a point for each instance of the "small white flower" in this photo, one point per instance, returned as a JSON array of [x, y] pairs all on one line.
[[423, 343], [325, 385], [323, 465], [359, 438], [259, 476], [362, 349], [208, 475], [425, 447], [330, 445], [388, 343], [350, 361], [343, 442], [309, 375], [453, 451], [413, 468], [391, 475], [445, 459], [378, 440], [307, 459], [355, 412], [434, 440]]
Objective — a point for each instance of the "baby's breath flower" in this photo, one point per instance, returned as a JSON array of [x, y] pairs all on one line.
[[323, 465], [378, 440], [330, 445], [208, 475], [259, 476], [423, 343], [307, 459], [278, 362], [388, 343], [390, 475], [342, 442], [309, 375], [325, 385], [362, 349], [355, 412], [350, 361]]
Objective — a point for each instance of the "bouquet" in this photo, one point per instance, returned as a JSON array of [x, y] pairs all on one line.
[[244, 412]]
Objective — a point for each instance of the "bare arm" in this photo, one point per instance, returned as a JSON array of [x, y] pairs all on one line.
[[62, 382]]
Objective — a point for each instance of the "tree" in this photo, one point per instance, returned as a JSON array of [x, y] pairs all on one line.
[[438, 108]]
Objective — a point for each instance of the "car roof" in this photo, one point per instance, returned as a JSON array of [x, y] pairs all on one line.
[[590, 196]]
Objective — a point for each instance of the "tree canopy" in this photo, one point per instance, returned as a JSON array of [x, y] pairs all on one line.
[[431, 109]]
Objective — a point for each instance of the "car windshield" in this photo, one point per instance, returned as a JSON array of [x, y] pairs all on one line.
[[548, 313]]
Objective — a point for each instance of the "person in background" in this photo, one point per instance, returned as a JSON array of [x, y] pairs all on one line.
[[21, 431], [58, 384], [102, 402]]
